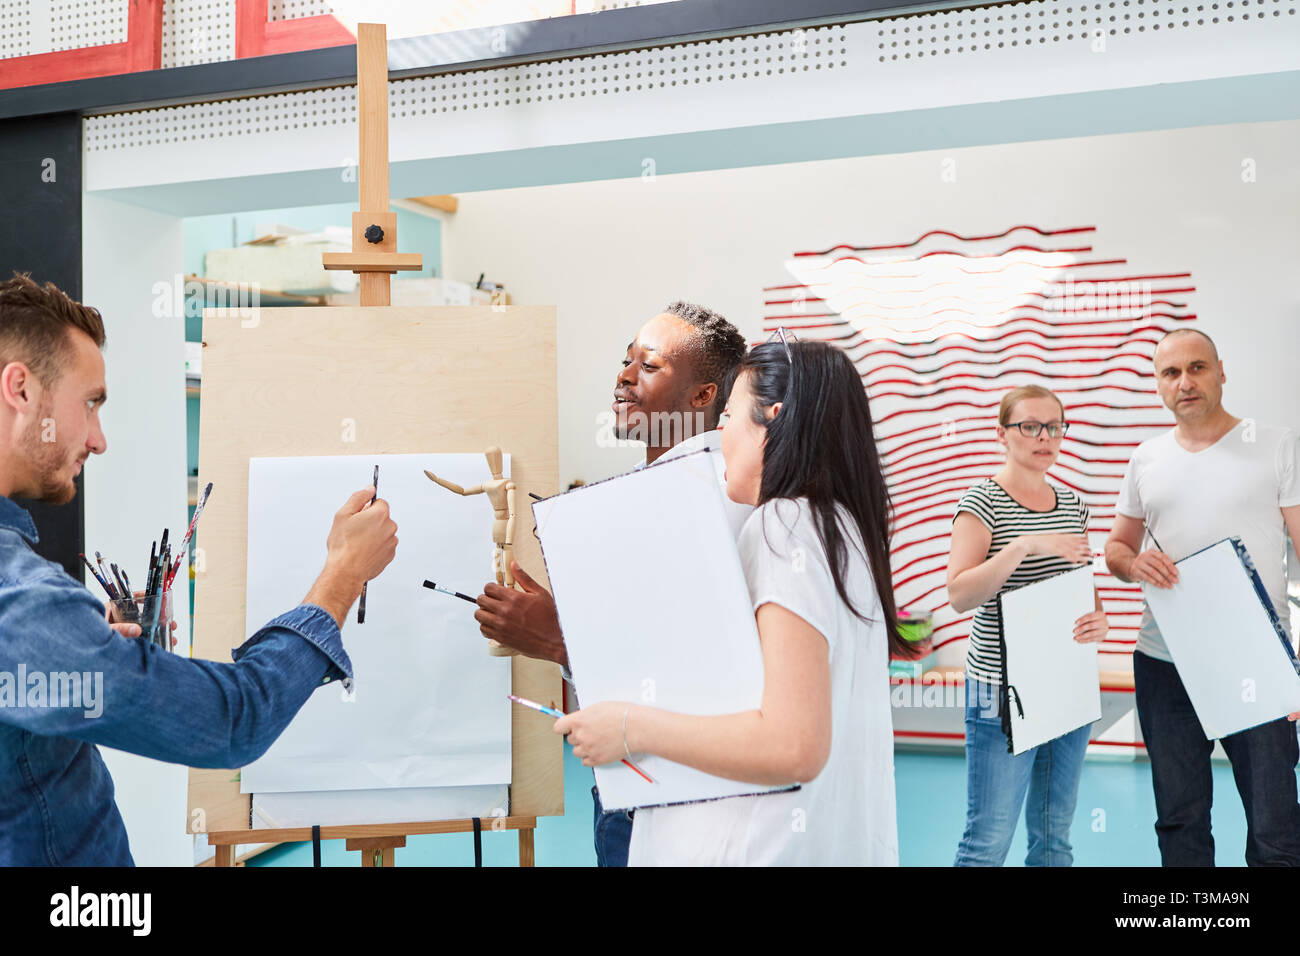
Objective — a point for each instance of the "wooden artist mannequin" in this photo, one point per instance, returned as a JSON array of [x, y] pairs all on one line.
[[500, 491]]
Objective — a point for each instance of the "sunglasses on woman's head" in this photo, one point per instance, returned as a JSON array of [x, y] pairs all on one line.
[[785, 339]]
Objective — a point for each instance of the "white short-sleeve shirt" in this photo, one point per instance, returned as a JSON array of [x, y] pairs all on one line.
[[1235, 488], [846, 815]]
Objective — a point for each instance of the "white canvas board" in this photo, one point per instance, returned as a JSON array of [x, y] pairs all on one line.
[[1056, 681], [1224, 643], [428, 707], [654, 609], [336, 808]]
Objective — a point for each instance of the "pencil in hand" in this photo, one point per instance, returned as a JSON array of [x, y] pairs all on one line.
[[361, 607]]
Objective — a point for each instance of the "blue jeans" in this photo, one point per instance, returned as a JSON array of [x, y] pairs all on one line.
[[997, 783], [613, 833], [1263, 765]]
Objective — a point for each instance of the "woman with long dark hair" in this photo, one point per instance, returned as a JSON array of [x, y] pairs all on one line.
[[798, 444]]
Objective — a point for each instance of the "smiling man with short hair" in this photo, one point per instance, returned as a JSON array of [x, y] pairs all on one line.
[[669, 393], [676, 377]]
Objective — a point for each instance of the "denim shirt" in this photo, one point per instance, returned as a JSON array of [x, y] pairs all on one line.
[[68, 682]]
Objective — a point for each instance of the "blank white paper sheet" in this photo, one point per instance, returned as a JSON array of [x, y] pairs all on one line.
[[334, 808], [1225, 641], [1055, 678], [655, 610], [428, 706]]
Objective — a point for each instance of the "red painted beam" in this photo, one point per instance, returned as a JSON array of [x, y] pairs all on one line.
[[256, 36], [306, 33], [141, 51]]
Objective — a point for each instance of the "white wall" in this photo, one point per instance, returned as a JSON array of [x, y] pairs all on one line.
[[610, 254], [138, 486]]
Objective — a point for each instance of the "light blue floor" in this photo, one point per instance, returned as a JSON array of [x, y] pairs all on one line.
[[1113, 822]]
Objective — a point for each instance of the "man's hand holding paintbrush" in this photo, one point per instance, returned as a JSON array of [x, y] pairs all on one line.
[[361, 543]]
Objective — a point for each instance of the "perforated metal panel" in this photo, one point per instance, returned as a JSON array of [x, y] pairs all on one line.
[[622, 74], [81, 23], [223, 120], [870, 67], [197, 31], [453, 15], [992, 29], [44, 26], [595, 77], [296, 9], [15, 28]]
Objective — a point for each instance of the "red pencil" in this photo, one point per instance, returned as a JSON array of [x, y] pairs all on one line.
[[638, 770]]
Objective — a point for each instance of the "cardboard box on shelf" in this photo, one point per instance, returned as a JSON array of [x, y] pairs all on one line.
[[291, 265]]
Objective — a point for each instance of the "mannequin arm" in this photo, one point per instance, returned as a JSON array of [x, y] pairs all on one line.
[[452, 486]]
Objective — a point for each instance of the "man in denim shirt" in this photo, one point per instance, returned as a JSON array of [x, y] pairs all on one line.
[[669, 393], [68, 679]]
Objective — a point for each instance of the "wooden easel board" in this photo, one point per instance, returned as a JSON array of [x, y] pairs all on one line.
[[372, 380]]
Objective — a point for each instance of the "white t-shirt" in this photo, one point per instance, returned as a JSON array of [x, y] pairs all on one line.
[[1234, 488], [846, 815]]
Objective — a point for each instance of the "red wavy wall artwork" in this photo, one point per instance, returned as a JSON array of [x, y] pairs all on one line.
[[940, 327]]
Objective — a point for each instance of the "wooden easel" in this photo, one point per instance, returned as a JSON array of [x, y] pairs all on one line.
[[377, 842], [374, 256], [415, 340]]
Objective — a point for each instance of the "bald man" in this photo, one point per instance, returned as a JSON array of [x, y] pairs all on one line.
[[1211, 477]]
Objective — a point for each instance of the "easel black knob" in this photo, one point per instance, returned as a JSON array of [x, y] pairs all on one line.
[[374, 234]]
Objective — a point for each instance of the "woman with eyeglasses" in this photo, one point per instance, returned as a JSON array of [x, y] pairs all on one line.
[[798, 444], [1011, 530]]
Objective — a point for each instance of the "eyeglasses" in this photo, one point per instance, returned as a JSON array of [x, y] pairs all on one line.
[[1032, 429], [785, 338]]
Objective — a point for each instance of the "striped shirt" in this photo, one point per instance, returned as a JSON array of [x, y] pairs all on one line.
[[1008, 519]]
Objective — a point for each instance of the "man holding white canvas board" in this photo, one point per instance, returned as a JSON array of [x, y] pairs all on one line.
[[669, 392], [1211, 477]]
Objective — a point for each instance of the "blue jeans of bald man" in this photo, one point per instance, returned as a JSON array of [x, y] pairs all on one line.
[[1263, 767]]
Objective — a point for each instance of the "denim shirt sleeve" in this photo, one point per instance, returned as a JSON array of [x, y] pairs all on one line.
[[149, 701]]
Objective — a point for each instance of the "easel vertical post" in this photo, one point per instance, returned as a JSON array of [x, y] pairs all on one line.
[[372, 115], [376, 851], [372, 120], [374, 256]]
